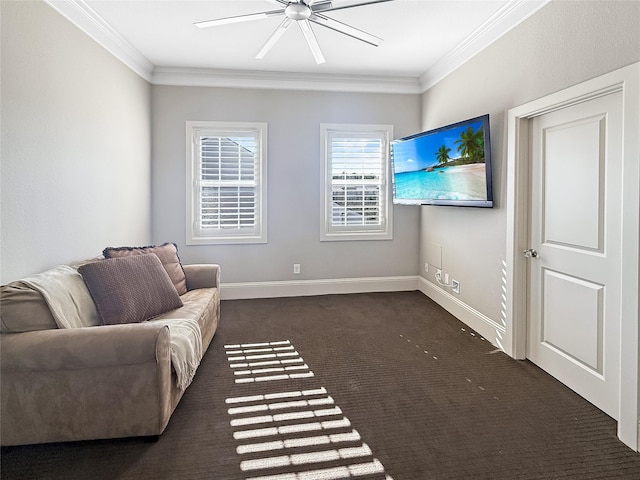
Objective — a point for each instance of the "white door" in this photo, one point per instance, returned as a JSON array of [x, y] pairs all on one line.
[[574, 281]]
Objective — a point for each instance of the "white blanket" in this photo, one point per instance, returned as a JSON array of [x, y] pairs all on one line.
[[186, 348], [67, 295]]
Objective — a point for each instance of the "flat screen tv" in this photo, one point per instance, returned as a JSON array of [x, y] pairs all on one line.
[[450, 165]]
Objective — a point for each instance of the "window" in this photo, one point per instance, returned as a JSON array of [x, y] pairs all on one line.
[[226, 192], [355, 192]]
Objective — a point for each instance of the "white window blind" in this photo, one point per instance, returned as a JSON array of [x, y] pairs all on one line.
[[356, 179], [227, 193], [356, 189]]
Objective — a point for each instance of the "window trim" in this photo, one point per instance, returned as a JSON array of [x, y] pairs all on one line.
[[193, 236], [327, 232]]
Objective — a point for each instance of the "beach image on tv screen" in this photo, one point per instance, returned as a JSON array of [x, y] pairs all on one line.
[[446, 165]]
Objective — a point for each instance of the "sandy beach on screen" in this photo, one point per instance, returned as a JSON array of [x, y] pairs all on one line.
[[473, 168]]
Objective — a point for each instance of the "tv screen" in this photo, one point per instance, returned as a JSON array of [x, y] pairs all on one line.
[[450, 165]]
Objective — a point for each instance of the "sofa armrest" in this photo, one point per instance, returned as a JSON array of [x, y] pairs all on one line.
[[82, 348], [203, 275], [85, 383]]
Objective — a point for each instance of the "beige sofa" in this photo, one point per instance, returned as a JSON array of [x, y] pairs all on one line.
[[96, 381]]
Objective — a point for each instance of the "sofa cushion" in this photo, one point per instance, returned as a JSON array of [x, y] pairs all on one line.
[[130, 289], [201, 305], [23, 309], [168, 255]]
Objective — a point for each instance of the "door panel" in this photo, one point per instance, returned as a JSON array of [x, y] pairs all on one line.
[[570, 148], [573, 319], [574, 283]]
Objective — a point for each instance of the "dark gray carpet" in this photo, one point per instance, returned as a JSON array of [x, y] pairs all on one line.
[[385, 386]]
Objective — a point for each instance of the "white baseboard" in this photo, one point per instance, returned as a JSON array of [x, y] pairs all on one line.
[[485, 326], [488, 328], [300, 288]]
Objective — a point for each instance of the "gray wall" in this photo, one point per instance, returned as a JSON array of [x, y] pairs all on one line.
[[563, 44], [75, 144], [76, 129], [294, 169]]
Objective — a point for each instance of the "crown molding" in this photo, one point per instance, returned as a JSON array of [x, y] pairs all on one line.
[[205, 77], [87, 19], [504, 20]]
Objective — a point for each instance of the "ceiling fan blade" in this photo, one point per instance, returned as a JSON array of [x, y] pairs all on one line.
[[328, 6], [346, 29], [237, 19], [275, 36], [305, 26]]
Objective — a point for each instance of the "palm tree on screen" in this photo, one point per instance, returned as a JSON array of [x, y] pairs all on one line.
[[471, 144], [442, 155]]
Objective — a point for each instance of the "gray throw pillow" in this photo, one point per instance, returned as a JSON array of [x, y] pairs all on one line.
[[130, 289], [168, 255]]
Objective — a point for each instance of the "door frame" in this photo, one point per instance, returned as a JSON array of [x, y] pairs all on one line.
[[627, 81]]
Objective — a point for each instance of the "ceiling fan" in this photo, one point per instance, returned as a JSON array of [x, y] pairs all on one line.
[[303, 12]]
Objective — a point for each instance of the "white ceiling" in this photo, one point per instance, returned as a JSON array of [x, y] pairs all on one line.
[[423, 40]]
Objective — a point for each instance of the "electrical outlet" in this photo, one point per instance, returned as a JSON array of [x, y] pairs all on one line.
[[455, 286], [296, 269], [446, 278], [438, 274], [426, 267]]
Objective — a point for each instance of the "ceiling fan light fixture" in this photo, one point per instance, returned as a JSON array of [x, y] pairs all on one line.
[[297, 11], [303, 12]]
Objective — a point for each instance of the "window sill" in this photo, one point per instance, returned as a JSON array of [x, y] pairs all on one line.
[[355, 236]]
